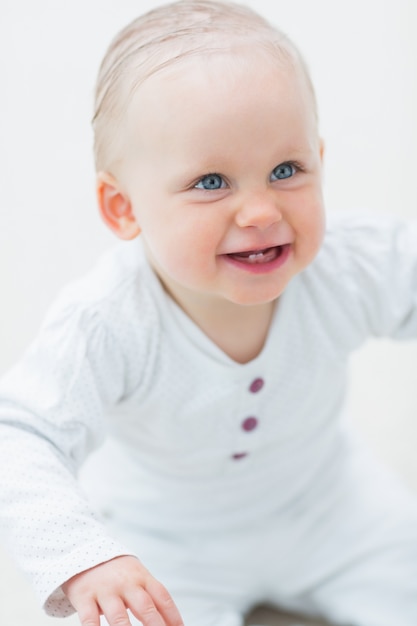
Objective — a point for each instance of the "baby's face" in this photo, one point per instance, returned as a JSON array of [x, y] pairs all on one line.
[[223, 170]]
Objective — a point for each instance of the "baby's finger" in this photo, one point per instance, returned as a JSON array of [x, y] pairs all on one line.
[[143, 607], [89, 615], [114, 611], [164, 602]]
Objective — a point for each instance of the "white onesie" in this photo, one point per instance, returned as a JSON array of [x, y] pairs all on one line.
[[234, 484]]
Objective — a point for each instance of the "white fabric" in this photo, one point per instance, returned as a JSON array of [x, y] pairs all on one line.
[[117, 361]]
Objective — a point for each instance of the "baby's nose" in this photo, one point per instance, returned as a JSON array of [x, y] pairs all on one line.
[[260, 210]]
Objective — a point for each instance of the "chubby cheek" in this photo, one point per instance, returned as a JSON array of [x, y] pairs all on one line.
[[184, 251], [310, 228]]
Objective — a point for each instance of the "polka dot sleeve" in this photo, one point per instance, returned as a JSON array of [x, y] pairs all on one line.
[[51, 416]]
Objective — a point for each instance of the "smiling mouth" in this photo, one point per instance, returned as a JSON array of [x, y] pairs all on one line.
[[258, 257]]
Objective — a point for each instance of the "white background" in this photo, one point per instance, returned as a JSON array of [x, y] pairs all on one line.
[[363, 59]]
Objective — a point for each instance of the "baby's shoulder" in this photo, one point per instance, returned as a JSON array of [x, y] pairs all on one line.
[[116, 292], [363, 280], [359, 239], [359, 229]]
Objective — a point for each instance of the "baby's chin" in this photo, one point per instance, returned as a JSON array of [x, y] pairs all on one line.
[[252, 299]]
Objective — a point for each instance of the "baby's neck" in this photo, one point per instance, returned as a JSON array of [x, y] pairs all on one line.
[[242, 336], [239, 331]]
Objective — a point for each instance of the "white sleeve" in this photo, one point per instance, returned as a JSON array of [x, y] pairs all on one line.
[[386, 275], [367, 278], [51, 416]]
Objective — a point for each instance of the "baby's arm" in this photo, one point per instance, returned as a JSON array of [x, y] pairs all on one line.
[[117, 585], [51, 417]]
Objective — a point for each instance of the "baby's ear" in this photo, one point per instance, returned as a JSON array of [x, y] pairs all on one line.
[[115, 207], [322, 149]]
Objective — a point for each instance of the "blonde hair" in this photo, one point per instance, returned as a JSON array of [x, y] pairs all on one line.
[[166, 35]]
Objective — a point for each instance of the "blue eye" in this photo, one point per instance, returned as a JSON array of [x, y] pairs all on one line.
[[285, 170], [209, 182]]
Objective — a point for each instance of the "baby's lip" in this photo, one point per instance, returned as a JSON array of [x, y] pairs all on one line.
[[264, 249], [260, 257], [254, 252]]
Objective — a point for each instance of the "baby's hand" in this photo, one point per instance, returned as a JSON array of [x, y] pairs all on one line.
[[111, 588]]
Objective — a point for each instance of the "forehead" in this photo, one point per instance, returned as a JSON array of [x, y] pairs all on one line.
[[202, 86]]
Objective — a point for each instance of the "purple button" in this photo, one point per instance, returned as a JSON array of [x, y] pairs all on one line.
[[249, 423], [239, 455], [256, 385]]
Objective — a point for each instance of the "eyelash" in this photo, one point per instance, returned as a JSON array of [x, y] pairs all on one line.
[[294, 164], [208, 175]]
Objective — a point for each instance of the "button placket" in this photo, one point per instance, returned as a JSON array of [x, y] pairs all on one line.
[[250, 423]]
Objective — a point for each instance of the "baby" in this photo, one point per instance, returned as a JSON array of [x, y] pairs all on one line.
[[201, 365]]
